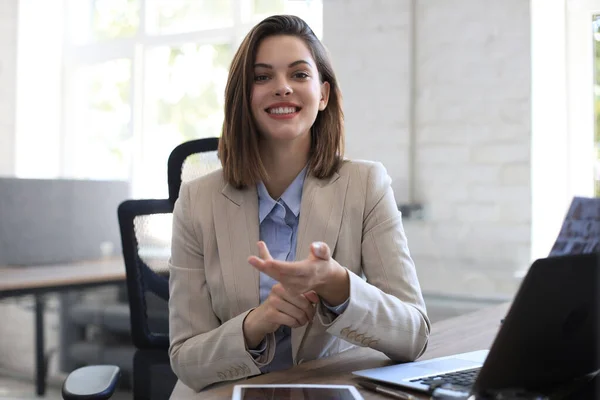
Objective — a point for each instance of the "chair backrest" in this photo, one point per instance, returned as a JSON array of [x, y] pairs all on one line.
[[190, 160], [145, 235], [146, 240], [580, 232]]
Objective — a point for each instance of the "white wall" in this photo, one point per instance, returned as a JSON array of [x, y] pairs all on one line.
[[469, 114], [369, 50], [39, 59], [8, 73]]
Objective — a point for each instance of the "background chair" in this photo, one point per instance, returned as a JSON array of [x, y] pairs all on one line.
[[580, 231], [145, 232], [190, 160], [145, 227]]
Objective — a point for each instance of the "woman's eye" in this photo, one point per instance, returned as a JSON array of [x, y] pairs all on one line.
[[260, 78], [301, 75]]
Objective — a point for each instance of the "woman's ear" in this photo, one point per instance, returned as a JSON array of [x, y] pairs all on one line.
[[324, 95]]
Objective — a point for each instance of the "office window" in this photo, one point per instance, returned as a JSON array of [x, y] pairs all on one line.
[[141, 76], [564, 123]]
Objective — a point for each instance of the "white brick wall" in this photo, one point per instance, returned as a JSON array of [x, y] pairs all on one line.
[[8, 74], [472, 127], [368, 42]]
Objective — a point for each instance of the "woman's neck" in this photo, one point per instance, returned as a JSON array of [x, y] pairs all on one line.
[[283, 162]]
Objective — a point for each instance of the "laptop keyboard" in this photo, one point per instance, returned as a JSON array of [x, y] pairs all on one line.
[[460, 380]]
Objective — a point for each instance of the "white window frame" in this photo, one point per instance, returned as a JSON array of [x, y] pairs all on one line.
[[562, 113]]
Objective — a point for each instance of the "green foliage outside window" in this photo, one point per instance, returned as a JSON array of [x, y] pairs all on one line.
[[193, 106], [108, 109], [113, 19]]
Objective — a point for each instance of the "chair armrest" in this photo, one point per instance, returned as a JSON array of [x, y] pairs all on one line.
[[96, 382]]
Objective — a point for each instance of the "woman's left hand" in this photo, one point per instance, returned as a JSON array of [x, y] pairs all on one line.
[[318, 272]]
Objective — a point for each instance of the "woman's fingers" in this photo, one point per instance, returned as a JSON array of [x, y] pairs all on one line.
[[297, 306], [294, 312], [281, 318], [312, 296], [300, 300], [263, 251], [320, 250]]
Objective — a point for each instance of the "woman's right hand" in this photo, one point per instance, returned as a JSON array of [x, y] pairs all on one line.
[[280, 308]]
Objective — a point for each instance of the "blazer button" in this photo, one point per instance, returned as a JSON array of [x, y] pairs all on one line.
[[221, 376], [366, 341], [345, 331], [359, 337], [229, 374], [351, 335], [373, 342]]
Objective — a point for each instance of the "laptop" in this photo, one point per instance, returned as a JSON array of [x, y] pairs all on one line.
[[548, 338]]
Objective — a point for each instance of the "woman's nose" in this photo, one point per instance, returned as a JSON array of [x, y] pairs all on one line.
[[283, 88]]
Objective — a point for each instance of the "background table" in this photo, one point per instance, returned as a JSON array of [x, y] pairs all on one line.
[[39, 280]]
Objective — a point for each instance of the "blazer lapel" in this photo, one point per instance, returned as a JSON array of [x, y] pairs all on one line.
[[320, 219], [237, 232]]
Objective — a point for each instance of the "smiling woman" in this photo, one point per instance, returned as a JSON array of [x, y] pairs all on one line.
[[285, 71], [290, 252], [286, 98]]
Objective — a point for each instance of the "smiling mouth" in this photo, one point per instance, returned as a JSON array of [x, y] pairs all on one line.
[[282, 110]]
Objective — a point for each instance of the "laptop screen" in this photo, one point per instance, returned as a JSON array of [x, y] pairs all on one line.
[[550, 334]]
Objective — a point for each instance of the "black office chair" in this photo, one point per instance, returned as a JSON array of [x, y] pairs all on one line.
[[190, 160], [145, 235], [145, 226]]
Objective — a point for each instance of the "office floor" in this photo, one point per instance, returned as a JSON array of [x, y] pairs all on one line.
[[11, 389], [18, 389]]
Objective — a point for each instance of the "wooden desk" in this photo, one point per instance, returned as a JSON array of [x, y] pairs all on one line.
[[38, 280], [23, 280], [469, 332]]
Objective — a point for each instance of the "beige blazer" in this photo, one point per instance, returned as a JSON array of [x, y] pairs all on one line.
[[212, 286]]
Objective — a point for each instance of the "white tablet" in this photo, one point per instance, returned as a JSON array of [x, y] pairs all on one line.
[[295, 392]]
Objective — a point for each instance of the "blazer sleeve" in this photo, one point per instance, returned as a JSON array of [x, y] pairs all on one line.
[[386, 311], [203, 350]]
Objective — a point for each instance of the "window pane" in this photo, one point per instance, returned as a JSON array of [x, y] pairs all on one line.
[[101, 115], [100, 20], [260, 9], [177, 16], [184, 101], [311, 11]]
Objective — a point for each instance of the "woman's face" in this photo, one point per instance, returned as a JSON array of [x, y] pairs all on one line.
[[287, 93]]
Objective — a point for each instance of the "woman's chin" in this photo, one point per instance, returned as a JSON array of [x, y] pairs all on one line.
[[285, 136]]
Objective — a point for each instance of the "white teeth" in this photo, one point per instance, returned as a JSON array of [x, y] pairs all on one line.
[[282, 110]]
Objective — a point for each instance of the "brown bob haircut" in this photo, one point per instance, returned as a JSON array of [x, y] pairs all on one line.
[[238, 146]]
